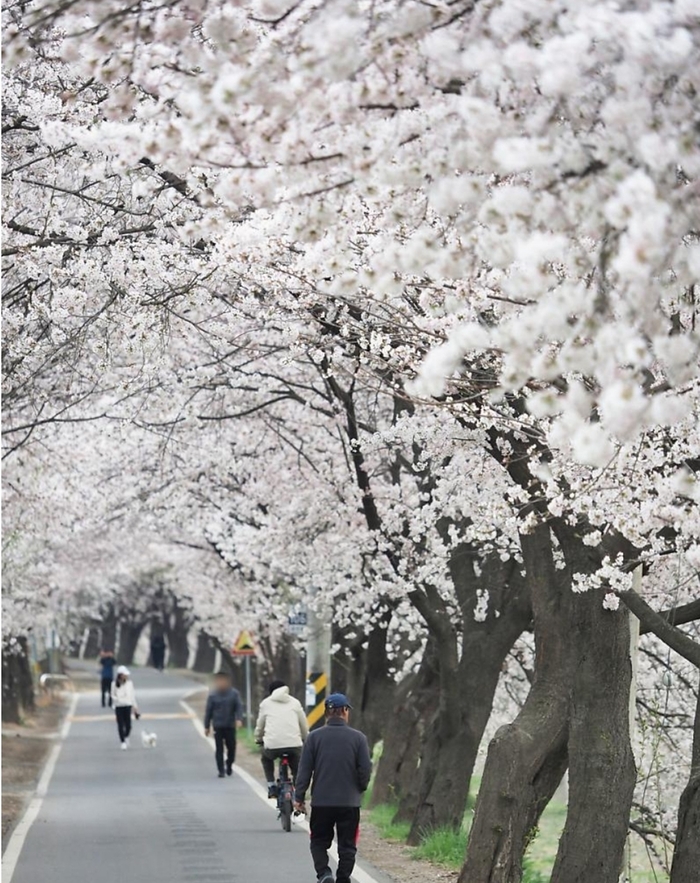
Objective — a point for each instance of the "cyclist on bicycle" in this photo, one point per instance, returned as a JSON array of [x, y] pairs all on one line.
[[281, 729]]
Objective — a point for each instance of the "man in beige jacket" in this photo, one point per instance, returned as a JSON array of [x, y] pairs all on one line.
[[281, 729]]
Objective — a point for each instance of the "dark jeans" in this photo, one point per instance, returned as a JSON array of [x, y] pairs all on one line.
[[270, 755], [225, 736], [123, 714], [106, 684], [344, 821]]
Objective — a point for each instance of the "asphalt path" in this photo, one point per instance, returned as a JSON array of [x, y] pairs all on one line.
[[154, 815]]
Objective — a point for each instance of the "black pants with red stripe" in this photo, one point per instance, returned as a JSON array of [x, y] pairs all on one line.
[[344, 822]]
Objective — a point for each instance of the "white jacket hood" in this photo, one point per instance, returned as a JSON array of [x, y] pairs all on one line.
[[281, 721]]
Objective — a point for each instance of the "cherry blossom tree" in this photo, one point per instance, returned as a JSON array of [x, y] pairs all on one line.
[[448, 256]]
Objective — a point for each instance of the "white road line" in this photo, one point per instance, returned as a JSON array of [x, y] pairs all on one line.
[[19, 835], [358, 875]]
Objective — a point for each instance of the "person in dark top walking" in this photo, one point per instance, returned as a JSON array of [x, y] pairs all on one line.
[[224, 713], [158, 652], [337, 759], [107, 663]]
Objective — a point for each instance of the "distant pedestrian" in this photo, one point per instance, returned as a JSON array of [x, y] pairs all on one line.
[[281, 729], [158, 652], [124, 698], [107, 663], [337, 758], [224, 713]]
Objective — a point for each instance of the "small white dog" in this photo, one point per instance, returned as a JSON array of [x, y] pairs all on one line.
[[148, 740]]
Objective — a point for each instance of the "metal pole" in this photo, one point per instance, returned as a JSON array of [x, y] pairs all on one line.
[[248, 700], [318, 665]]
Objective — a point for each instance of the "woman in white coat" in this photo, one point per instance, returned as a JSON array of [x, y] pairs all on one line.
[[124, 701]]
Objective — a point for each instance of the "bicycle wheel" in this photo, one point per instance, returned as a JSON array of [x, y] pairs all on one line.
[[286, 811]]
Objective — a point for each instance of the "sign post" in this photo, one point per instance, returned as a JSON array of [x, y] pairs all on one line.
[[245, 646]]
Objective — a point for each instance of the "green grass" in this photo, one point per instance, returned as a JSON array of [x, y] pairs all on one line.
[[248, 740], [543, 849], [382, 817], [443, 846]]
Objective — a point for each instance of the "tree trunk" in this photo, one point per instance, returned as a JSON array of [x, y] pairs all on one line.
[[17, 683], [280, 660], [129, 634], [453, 739], [527, 758], [467, 686], [577, 712], [602, 771], [177, 627], [370, 687], [92, 645], [397, 772], [205, 657], [406, 781], [108, 636], [686, 856]]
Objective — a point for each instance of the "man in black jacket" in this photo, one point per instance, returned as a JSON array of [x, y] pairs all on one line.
[[337, 757], [225, 713]]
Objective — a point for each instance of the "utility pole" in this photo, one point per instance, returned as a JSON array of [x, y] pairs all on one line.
[[634, 659], [248, 697], [318, 658]]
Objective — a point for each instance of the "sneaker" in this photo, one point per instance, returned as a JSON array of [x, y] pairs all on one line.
[[326, 877], [272, 792], [229, 771], [124, 746], [221, 774], [126, 742]]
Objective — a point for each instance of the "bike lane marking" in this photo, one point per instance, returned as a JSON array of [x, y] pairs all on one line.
[[359, 874], [14, 847]]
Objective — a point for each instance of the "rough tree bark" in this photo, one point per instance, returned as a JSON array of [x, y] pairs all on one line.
[[178, 623], [527, 758], [280, 660], [92, 645], [686, 855], [17, 683], [577, 713], [108, 629], [368, 682], [602, 771], [467, 681], [129, 634], [415, 704], [205, 657]]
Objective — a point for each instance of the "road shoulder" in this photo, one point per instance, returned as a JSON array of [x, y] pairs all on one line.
[[25, 750]]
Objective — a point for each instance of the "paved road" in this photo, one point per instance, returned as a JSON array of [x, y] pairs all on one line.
[[153, 816]]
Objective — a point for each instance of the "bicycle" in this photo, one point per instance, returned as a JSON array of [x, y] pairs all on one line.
[[285, 794]]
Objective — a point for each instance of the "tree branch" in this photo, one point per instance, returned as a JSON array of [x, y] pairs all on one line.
[[661, 627]]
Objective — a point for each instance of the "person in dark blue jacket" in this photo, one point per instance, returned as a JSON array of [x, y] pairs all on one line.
[[336, 764], [107, 663], [224, 713]]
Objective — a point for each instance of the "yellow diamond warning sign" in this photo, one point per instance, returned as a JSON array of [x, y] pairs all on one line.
[[244, 645]]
